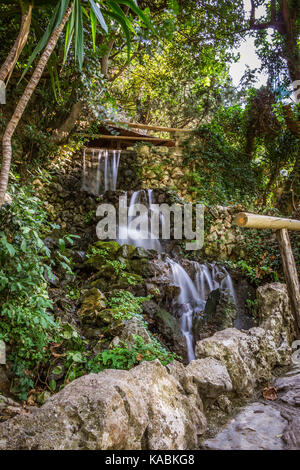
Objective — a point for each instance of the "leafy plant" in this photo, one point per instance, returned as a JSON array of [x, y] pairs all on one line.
[[127, 304], [122, 357], [25, 322]]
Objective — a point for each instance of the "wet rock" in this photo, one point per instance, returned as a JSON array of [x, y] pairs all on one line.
[[100, 252], [142, 266], [167, 327], [265, 425], [219, 313]]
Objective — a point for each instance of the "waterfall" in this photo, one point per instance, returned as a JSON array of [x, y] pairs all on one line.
[[212, 276], [193, 294], [100, 170], [188, 291], [100, 173], [141, 235]]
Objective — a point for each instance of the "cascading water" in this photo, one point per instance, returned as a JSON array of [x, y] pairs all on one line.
[[140, 235], [186, 304], [212, 276], [193, 294], [100, 173], [100, 170]]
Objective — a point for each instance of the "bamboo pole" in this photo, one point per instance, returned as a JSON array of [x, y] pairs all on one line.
[[148, 126], [246, 220], [290, 273]]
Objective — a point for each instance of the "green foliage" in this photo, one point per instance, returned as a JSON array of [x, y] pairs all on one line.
[[122, 357], [75, 25], [23, 256], [25, 323], [127, 304], [29, 330], [62, 257], [219, 173]]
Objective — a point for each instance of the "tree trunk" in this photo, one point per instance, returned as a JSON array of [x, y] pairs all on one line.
[[64, 130], [15, 52], [290, 33], [32, 84]]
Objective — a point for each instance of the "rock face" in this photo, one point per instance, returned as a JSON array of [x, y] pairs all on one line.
[[250, 356], [265, 425], [143, 408]]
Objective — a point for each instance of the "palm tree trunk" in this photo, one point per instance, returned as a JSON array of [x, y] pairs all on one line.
[[15, 52], [32, 84]]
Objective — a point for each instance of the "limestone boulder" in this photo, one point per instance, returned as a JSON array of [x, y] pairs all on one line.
[[176, 421], [210, 376], [250, 356], [130, 329], [275, 313], [145, 408]]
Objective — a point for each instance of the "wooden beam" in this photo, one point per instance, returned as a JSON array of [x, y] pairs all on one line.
[[246, 220], [127, 137], [146, 126], [290, 273]]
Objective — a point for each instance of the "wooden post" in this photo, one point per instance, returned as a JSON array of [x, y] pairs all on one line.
[[281, 225], [290, 273]]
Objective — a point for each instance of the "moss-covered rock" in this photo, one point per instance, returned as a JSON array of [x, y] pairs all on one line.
[[142, 267], [166, 326], [100, 252], [93, 303]]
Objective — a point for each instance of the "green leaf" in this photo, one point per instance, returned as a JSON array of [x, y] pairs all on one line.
[[93, 27], [55, 20], [62, 244], [75, 356], [133, 6], [52, 385], [57, 370], [79, 54], [125, 29], [117, 10], [69, 34], [96, 10]]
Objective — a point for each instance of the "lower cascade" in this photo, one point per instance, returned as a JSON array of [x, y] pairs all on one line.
[[100, 173], [193, 294]]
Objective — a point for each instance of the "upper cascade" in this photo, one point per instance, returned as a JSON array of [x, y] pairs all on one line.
[[100, 170]]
